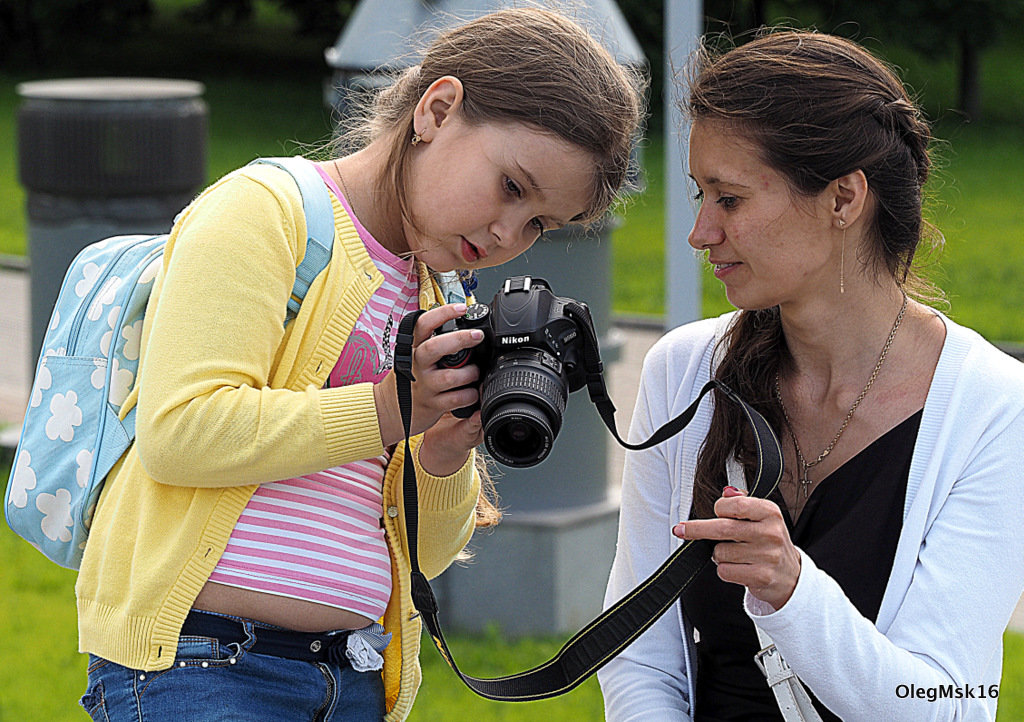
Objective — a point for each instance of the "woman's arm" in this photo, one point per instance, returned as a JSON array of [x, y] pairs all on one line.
[[647, 681], [945, 638]]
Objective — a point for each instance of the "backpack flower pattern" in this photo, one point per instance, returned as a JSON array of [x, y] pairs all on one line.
[[74, 432], [86, 370]]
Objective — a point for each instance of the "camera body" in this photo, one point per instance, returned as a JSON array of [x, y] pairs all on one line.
[[530, 360]]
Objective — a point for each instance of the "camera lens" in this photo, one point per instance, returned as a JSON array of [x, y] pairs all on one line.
[[522, 399], [519, 431], [519, 435]]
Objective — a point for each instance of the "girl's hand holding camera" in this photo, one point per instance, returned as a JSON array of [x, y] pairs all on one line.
[[435, 392], [754, 548]]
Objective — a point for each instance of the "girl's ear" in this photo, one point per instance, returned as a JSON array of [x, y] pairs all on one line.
[[440, 102], [849, 196]]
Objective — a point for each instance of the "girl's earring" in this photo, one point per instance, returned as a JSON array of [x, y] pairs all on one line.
[[842, 259], [416, 138]]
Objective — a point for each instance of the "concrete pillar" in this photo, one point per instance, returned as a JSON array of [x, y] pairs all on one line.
[[684, 24], [543, 569]]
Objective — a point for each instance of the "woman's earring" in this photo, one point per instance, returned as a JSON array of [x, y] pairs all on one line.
[[416, 138], [842, 259]]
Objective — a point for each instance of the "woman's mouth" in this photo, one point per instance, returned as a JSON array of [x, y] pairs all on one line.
[[723, 269]]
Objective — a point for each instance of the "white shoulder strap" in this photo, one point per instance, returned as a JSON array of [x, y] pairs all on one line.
[[790, 694]]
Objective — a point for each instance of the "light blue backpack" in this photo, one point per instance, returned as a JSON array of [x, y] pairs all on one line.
[[72, 434]]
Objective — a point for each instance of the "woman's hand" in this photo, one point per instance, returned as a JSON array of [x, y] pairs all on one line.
[[753, 549], [435, 391]]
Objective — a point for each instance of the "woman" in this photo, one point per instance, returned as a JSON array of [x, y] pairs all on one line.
[[887, 564]]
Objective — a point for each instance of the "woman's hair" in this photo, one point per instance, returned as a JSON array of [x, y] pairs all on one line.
[[816, 107], [525, 65]]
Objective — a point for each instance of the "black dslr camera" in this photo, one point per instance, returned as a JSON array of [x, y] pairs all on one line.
[[531, 358]]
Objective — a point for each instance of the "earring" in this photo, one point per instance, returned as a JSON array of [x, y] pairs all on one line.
[[416, 138], [842, 259]]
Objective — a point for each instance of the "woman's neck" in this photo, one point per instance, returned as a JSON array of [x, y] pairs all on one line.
[[837, 340]]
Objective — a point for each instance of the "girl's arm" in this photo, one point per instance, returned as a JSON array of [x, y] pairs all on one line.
[[207, 412]]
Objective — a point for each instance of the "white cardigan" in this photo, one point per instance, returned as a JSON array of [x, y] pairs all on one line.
[[935, 651]]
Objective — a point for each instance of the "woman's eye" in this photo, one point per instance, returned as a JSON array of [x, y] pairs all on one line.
[[539, 225], [728, 202], [698, 197], [513, 188]]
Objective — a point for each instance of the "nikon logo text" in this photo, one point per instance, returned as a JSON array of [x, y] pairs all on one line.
[[513, 340]]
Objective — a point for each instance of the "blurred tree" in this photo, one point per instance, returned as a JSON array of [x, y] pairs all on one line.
[[937, 29], [220, 12], [319, 17], [34, 28], [316, 17], [36, 31]]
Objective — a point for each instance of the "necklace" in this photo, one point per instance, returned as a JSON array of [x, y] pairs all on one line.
[[805, 466], [344, 185], [387, 343]]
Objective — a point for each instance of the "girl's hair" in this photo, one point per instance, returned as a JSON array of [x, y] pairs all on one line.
[[525, 65], [816, 107]]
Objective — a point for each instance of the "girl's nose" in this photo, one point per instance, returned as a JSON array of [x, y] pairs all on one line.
[[507, 232]]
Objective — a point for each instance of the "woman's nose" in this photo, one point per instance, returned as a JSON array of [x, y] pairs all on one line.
[[705, 232]]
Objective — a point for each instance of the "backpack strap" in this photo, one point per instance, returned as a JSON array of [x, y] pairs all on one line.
[[316, 204]]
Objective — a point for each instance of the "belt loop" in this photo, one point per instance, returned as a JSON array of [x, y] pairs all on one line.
[[250, 633]]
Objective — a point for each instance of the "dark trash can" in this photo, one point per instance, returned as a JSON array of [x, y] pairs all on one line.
[[100, 157]]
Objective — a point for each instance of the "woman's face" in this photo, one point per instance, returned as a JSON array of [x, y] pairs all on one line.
[[768, 246], [480, 195]]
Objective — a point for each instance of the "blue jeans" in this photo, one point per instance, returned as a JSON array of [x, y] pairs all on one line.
[[214, 682]]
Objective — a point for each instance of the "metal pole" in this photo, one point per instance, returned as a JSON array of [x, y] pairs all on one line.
[[683, 28]]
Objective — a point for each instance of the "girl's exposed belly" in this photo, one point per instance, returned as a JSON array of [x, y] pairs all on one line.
[[295, 614]]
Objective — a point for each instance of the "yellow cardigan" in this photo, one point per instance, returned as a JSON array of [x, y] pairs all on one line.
[[229, 398]]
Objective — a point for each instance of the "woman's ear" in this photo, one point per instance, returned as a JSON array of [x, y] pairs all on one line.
[[849, 196], [439, 103]]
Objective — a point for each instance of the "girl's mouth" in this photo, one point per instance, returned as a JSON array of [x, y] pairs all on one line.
[[471, 253]]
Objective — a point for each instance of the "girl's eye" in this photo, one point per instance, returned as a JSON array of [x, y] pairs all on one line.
[[538, 225], [513, 188], [698, 197], [728, 202]]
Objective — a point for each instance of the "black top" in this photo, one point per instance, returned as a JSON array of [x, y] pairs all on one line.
[[849, 526]]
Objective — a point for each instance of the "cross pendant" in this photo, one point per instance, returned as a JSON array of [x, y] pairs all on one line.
[[805, 483]]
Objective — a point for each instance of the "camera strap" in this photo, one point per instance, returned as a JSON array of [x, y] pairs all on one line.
[[613, 630], [594, 376]]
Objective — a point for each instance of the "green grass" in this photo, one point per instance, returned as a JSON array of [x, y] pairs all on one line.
[[42, 676]]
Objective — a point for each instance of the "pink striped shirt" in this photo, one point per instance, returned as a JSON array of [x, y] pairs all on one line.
[[319, 537]]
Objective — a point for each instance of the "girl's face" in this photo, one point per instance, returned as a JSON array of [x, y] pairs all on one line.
[[480, 195], [765, 248]]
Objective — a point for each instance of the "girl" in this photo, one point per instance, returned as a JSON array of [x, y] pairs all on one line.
[[249, 542], [886, 566]]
